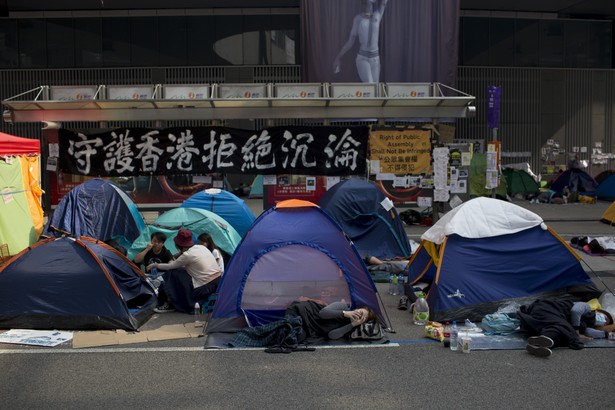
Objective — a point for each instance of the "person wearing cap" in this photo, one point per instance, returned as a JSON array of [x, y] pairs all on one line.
[[198, 279], [562, 323]]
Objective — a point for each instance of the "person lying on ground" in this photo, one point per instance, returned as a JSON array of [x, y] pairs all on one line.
[[562, 323], [395, 266], [306, 321], [198, 279]]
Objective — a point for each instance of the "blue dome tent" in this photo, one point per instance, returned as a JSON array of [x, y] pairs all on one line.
[[223, 203], [293, 249], [73, 284], [486, 253], [96, 209], [356, 205]]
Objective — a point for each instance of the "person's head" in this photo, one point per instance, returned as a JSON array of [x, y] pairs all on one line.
[[158, 239], [206, 240], [603, 318], [371, 315], [116, 245], [183, 240]]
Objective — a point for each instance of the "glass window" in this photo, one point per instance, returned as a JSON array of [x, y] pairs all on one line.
[[526, 48], [475, 41], [144, 44], [116, 41], [229, 40], [577, 44], [88, 42], [283, 37], [200, 40], [172, 40], [32, 43], [501, 41], [256, 40], [551, 43], [8, 44], [60, 43], [600, 46]]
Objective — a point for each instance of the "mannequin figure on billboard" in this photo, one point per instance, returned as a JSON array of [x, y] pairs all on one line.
[[366, 28]]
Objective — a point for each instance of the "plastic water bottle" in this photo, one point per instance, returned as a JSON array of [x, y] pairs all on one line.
[[420, 312], [401, 281], [197, 312], [395, 282], [391, 284], [454, 335], [153, 273]]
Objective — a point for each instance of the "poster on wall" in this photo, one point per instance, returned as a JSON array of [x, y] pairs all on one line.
[[380, 41], [400, 163], [153, 189], [304, 187]]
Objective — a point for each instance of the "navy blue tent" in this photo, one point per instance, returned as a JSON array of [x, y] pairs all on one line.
[[73, 284], [487, 253], [606, 189], [96, 209], [356, 205], [575, 179]]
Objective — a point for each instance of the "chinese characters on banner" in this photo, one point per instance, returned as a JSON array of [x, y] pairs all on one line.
[[202, 150], [400, 162]]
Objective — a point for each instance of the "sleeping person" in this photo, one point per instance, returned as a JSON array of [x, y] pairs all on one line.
[[306, 321]]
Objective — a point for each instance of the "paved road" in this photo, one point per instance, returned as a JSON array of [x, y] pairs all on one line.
[[411, 372]]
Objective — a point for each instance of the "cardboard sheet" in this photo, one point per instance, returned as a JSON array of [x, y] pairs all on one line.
[[121, 337]]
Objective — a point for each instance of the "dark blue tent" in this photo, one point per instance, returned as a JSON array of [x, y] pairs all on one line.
[[575, 179], [606, 189], [356, 205], [487, 253], [96, 209], [73, 284]]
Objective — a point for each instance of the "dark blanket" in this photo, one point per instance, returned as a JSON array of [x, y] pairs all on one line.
[[550, 318], [285, 333], [314, 327], [301, 324]]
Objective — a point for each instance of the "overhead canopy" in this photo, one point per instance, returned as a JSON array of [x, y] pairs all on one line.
[[120, 103], [12, 145]]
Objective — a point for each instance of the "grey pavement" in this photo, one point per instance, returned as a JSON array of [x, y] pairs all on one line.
[[411, 372]]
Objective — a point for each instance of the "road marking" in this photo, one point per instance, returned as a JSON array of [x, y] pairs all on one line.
[[170, 349]]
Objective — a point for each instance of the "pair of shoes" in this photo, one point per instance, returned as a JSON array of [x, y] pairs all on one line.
[[304, 348], [538, 351], [164, 308], [277, 349], [540, 341], [403, 303]]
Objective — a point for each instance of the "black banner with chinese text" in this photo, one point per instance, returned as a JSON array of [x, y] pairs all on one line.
[[203, 150]]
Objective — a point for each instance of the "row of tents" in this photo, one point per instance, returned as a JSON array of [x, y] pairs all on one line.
[[519, 181], [97, 211], [473, 259]]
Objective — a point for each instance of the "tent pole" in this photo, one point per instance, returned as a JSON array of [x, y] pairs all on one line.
[[389, 328]]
